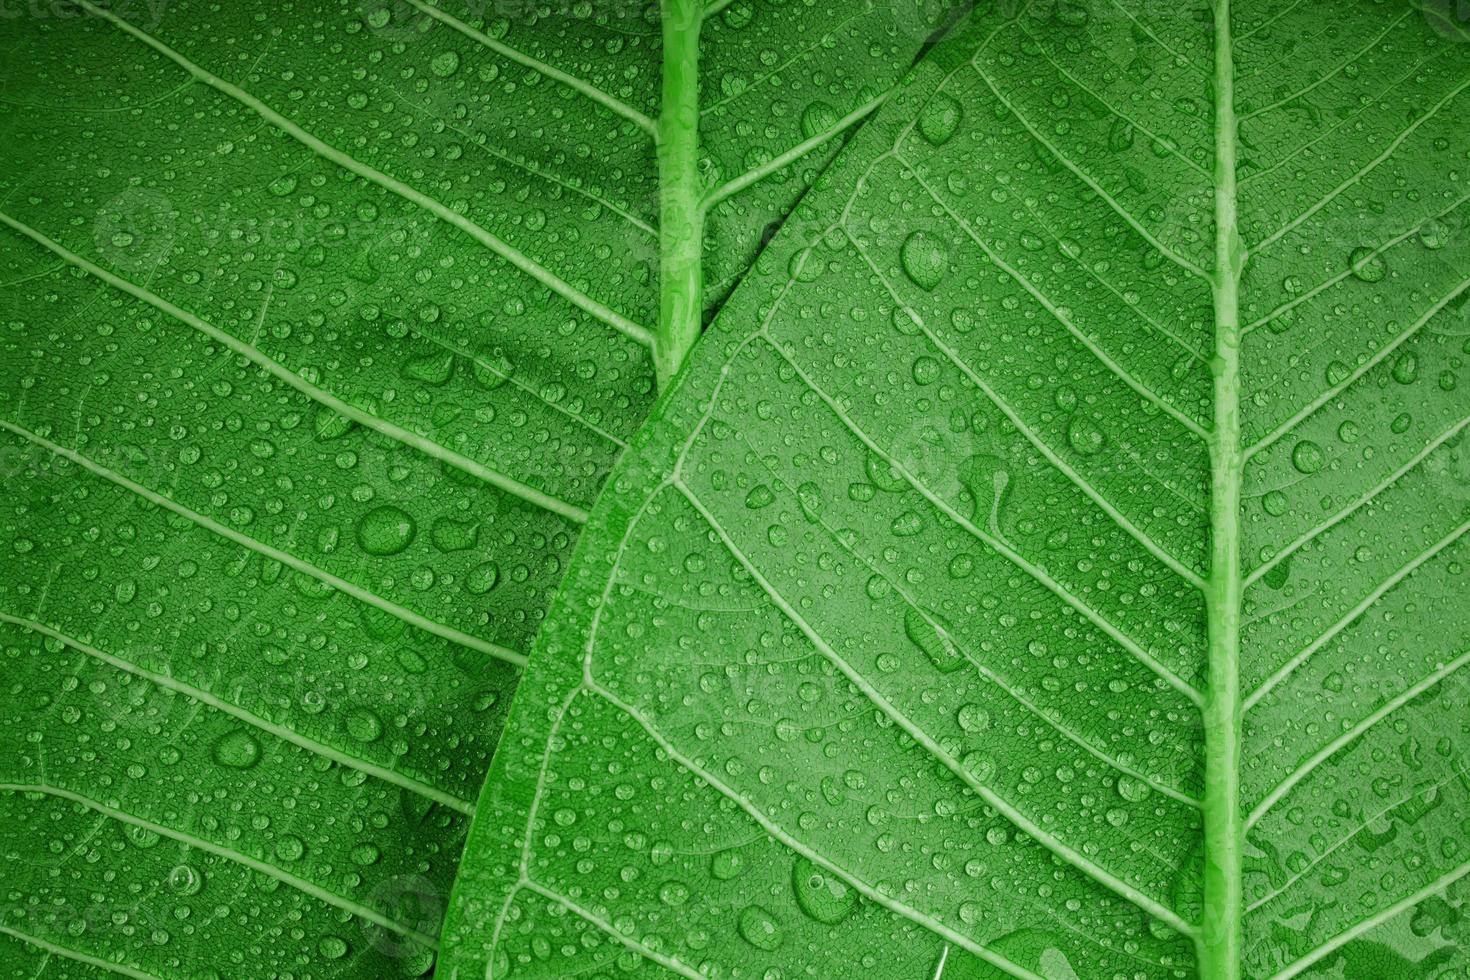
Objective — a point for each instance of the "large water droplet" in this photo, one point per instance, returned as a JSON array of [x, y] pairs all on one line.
[[237, 749], [1367, 266], [939, 118], [1084, 436], [821, 894], [1307, 456], [760, 928], [931, 634], [385, 530], [925, 259]]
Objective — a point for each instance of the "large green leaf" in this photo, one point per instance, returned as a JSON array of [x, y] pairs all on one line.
[[1051, 562], [321, 333]]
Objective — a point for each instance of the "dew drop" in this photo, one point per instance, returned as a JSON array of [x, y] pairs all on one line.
[[1367, 266], [925, 259], [385, 530], [760, 928], [939, 118], [821, 894], [1307, 456], [931, 634], [237, 749], [363, 725], [1084, 436]]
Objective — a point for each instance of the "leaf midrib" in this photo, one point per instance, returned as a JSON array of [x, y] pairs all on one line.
[[1219, 942]]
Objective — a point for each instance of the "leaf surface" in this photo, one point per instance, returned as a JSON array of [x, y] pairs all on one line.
[[1082, 400], [322, 329]]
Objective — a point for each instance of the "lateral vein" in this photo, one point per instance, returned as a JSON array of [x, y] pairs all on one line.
[[77, 955], [1029, 706], [1351, 735], [1036, 572], [308, 888], [412, 785], [577, 85], [780, 834], [319, 395], [1372, 922], [1352, 615], [1058, 314], [1173, 256], [1293, 224], [737, 184], [209, 524], [1363, 500], [497, 245], [1066, 853], [1332, 74], [1368, 365], [1062, 466]]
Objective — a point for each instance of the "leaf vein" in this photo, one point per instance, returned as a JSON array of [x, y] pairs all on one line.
[[1353, 614], [578, 85], [1332, 195], [1351, 735], [308, 888], [405, 782], [209, 524], [1061, 850], [278, 370], [504, 249]]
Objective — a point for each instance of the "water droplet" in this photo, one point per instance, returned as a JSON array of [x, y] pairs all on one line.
[[673, 893], [1367, 266], [452, 535], [725, 865], [1307, 456], [979, 765], [939, 118], [759, 496], [185, 880], [434, 369], [1133, 789], [821, 894], [817, 118], [385, 531], [925, 259], [1434, 234], [237, 749], [482, 578], [760, 928], [363, 725], [1406, 368], [1084, 436], [931, 634], [445, 64], [290, 848], [332, 947], [973, 718], [926, 371], [329, 425]]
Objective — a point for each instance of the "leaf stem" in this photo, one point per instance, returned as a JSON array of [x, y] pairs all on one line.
[[1219, 942], [681, 216]]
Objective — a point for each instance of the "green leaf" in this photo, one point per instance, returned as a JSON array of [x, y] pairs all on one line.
[[1051, 563], [323, 325]]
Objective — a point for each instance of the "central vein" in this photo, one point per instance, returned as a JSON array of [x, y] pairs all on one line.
[[1219, 943], [681, 216]]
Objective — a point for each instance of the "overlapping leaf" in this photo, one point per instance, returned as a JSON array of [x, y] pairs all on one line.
[[887, 647], [321, 333]]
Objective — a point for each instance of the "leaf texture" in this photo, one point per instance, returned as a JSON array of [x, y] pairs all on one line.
[[891, 640], [323, 325]]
